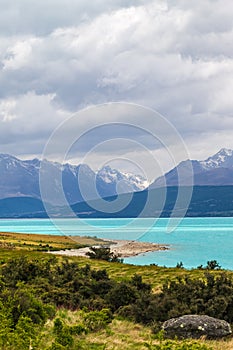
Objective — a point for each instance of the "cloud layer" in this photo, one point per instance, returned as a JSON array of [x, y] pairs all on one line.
[[172, 56]]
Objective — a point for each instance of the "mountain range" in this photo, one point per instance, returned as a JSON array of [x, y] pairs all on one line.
[[212, 191], [20, 178], [216, 170]]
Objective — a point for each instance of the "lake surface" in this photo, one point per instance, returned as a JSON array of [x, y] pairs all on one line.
[[194, 241]]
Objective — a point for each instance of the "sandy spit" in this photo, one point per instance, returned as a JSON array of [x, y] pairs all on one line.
[[123, 248]]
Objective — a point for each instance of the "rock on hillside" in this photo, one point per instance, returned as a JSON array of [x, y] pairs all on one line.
[[196, 326]]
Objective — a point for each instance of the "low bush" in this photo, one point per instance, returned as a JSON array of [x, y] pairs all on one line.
[[103, 253], [32, 290], [174, 345], [96, 320]]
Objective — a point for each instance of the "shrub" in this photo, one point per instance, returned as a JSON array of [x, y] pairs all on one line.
[[141, 286], [63, 334], [212, 296], [24, 334], [180, 265], [122, 294], [78, 329], [65, 338], [96, 320], [24, 303], [103, 253], [211, 265], [56, 346], [58, 326], [175, 345]]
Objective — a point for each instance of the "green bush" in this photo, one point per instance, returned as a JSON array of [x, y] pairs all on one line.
[[31, 290], [211, 265], [212, 296], [96, 320], [78, 329], [174, 345], [65, 338], [24, 334], [58, 326], [103, 253], [56, 346], [25, 303], [122, 294]]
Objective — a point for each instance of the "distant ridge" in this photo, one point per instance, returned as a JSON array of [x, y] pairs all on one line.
[[216, 170], [206, 201], [212, 191], [17, 207]]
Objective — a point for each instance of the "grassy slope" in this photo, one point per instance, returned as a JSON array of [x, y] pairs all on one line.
[[155, 275], [18, 241], [124, 334]]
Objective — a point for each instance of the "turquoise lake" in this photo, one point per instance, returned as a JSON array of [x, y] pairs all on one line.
[[194, 241]]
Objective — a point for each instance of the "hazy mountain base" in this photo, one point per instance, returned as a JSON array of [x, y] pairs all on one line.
[[206, 201]]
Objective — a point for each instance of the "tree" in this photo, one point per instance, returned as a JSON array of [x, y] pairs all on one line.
[[180, 265], [213, 265], [103, 253], [121, 295]]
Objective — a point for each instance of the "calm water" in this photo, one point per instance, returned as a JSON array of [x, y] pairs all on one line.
[[193, 242]]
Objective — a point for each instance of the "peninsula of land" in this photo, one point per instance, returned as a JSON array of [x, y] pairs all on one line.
[[122, 248]]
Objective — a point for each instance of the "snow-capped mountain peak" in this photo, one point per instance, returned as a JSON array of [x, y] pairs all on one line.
[[136, 182], [223, 158], [226, 151], [8, 158], [109, 175], [21, 178], [216, 170]]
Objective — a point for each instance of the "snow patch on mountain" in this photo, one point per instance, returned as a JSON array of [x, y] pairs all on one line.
[[216, 170], [223, 159], [109, 175]]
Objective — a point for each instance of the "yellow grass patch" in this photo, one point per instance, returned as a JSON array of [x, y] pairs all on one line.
[[30, 241]]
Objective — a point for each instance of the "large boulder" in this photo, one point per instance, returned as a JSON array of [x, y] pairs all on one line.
[[196, 326]]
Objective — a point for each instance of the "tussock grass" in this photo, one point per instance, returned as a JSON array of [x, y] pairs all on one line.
[[119, 335]]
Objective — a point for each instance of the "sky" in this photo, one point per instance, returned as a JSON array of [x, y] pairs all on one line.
[[59, 57]]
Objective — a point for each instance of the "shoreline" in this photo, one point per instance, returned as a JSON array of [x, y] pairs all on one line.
[[123, 248]]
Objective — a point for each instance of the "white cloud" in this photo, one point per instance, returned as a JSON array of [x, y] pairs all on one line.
[[27, 121], [42, 17], [6, 110], [18, 55]]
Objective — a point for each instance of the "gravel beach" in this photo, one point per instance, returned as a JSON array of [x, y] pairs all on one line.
[[123, 248]]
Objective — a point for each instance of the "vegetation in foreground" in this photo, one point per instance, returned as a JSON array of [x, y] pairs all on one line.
[[54, 303]]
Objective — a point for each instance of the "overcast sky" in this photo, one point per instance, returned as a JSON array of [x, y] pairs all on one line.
[[58, 57]]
